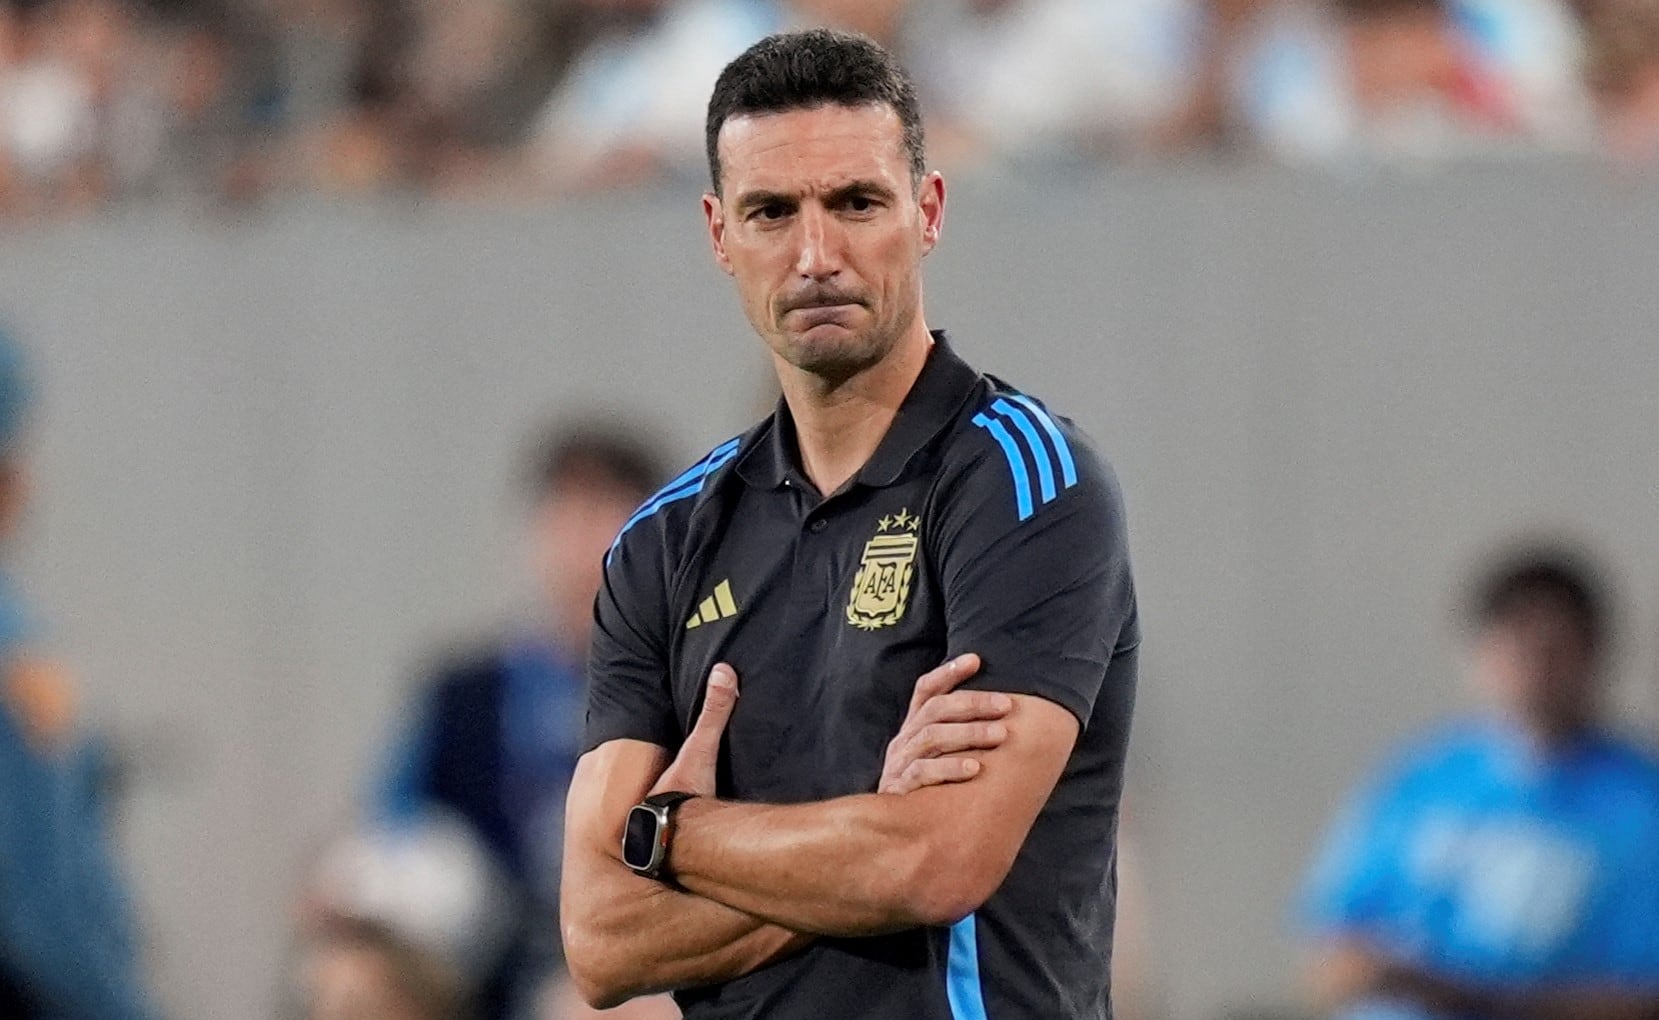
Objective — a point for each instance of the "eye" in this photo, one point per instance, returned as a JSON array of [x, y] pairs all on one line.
[[770, 212], [861, 203]]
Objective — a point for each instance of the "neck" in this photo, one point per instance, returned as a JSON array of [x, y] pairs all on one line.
[[838, 425], [1547, 737]]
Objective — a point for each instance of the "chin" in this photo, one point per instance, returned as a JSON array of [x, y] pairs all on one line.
[[834, 353]]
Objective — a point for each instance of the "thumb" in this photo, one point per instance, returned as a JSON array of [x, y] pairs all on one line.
[[718, 702]]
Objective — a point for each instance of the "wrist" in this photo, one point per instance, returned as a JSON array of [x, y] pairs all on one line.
[[648, 835], [688, 817]]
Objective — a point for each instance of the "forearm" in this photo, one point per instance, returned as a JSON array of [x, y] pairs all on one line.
[[876, 863], [852, 866], [626, 936]]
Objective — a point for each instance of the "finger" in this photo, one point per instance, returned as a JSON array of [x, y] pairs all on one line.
[[933, 772], [718, 702], [943, 678], [949, 738], [963, 706]]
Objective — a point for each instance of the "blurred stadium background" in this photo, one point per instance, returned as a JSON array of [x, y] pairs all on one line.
[[1350, 291]]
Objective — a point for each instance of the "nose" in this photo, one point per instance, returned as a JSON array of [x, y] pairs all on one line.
[[820, 254]]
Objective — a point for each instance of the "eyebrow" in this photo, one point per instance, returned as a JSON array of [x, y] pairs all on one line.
[[758, 199], [751, 200], [874, 189]]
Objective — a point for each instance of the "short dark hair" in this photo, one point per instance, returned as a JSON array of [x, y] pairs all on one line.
[[594, 453], [817, 67], [1550, 572]]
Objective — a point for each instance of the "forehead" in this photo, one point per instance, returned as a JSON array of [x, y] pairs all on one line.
[[1538, 610], [820, 147]]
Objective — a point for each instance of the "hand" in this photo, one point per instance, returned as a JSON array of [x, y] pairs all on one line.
[[693, 769], [941, 724]]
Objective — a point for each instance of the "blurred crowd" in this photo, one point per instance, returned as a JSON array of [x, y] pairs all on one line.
[[225, 102]]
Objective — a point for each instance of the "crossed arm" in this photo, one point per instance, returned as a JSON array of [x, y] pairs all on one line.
[[762, 880], [625, 935], [870, 864]]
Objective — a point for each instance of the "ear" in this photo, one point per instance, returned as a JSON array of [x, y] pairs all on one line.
[[715, 214], [931, 201]]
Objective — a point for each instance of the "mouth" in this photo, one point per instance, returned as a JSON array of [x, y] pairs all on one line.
[[823, 315]]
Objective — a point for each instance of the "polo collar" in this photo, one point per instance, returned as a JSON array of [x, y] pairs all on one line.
[[945, 382]]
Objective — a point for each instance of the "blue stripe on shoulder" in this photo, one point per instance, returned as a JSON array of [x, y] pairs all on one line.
[[1016, 462], [1022, 421], [962, 982], [1062, 449], [689, 483], [1032, 423]]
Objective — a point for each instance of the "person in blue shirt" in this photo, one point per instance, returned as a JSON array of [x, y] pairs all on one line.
[[1506, 865], [496, 733], [67, 949]]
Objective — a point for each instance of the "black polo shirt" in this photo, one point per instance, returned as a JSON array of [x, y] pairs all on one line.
[[982, 523]]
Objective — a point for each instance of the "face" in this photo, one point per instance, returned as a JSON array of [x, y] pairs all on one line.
[[572, 530], [819, 223], [1537, 666]]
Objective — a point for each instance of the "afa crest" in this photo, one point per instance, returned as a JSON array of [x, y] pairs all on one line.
[[882, 586]]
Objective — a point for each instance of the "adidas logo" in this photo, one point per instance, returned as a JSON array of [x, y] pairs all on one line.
[[717, 607]]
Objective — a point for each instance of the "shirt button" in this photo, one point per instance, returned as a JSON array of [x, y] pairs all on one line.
[[818, 525]]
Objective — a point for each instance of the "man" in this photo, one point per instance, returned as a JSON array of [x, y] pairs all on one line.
[[896, 510], [496, 734], [1509, 865], [67, 945]]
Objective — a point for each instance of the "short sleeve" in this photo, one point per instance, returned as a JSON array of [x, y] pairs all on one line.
[[1034, 561], [628, 690]]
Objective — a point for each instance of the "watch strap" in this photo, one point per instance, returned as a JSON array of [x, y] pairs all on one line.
[[669, 799]]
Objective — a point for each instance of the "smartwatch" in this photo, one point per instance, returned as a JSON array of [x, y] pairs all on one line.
[[649, 830]]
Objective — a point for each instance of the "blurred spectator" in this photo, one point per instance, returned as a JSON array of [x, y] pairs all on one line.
[[48, 123], [496, 734], [1624, 73], [204, 100], [357, 970], [632, 107], [66, 947], [1507, 866], [1412, 78], [424, 106], [98, 104], [403, 920], [1017, 80]]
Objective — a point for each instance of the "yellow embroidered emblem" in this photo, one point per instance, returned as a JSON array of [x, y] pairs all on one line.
[[882, 586]]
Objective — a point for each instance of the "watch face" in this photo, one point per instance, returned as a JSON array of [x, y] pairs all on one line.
[[639, 839]]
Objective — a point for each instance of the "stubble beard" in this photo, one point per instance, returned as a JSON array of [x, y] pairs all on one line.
[[834, 363]]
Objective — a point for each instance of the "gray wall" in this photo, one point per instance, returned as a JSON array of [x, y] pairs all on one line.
[[274, 456]]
